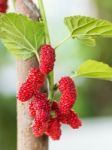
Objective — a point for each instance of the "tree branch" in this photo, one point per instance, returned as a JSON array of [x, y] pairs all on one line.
[[34, 11]]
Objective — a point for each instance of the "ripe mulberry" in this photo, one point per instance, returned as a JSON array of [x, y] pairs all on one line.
[[69, 94], [34, 82], [39, 107], [71, 119], [47, 59], [25, 92]]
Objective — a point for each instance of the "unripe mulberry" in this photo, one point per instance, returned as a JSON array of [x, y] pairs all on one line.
[[47, 59], [69, 94], [71, 119], [54, 129], [3, 6]]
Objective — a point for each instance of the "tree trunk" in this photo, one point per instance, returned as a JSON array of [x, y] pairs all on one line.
[[25, 138]]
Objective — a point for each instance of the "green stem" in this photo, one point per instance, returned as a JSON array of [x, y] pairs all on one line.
[[51, 74], [41, 6], [63, 41]]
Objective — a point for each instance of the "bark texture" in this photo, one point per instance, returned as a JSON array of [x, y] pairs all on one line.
[[25, 138]]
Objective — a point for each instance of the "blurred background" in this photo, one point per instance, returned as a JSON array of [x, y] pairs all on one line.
[[94, 103]]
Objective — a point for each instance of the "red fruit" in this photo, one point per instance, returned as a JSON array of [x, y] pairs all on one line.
[[3, 6], [35, 78], [71, 119], [38, 128], [40, 107], [69, 94], [66, 101], [47, 59], [34, 82], [25, 92], [54, 130]]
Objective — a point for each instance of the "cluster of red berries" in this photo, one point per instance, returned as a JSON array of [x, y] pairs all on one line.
[[49, 115], [3, 6]]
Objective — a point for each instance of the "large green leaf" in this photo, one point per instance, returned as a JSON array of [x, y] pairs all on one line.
[[94, 69], [89, 28], [20, 35]]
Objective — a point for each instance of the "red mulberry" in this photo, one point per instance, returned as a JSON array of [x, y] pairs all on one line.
[[66, 101], [71, 119], [69, 94], [35, 80], [47, 59], [54, 130], [25, 92], [40, 106]]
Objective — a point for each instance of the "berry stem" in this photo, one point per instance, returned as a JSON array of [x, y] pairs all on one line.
[[63, 41], [51, 74]]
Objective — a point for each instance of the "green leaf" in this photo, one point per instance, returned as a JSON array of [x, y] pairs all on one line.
[[89, 41], [89, 28], [94, 69], [20, 35]]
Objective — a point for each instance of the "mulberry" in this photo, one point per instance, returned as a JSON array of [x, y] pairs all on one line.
[[39, 107], [34, 82], [25, 92], [47, 59], [69, 94], [71, 119]]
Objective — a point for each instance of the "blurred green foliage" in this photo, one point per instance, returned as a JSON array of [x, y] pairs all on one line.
[[7, 123]]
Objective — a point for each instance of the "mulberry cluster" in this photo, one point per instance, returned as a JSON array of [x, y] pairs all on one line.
[[48, 115], [3, 6]]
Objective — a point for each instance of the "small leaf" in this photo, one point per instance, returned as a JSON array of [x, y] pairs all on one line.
[[88, 28], [94, 69], [20, 35]]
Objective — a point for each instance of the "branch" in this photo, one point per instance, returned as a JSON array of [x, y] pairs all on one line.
[[28, 8], [34, 11]]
